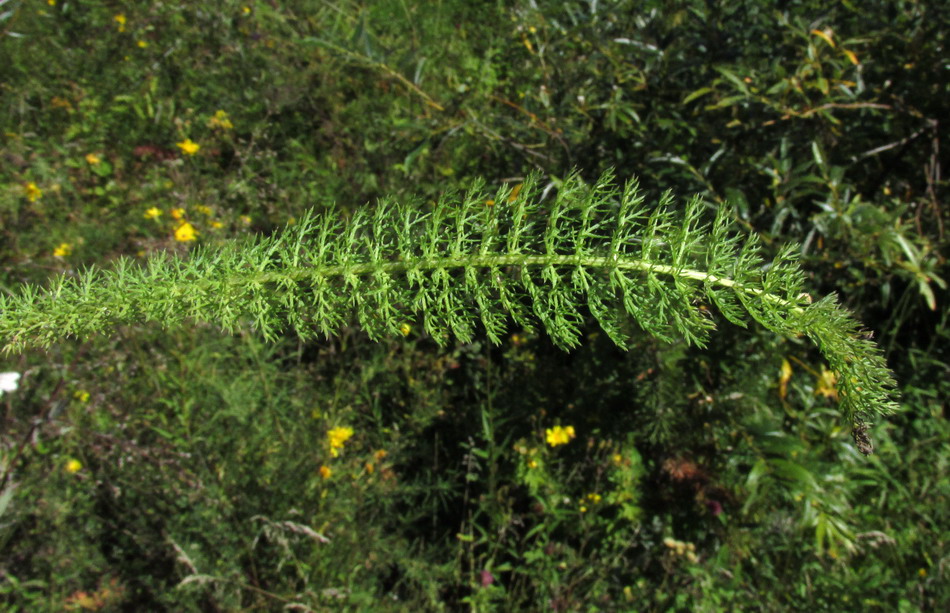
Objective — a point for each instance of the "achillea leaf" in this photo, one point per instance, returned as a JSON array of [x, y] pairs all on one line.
[[464, 265]]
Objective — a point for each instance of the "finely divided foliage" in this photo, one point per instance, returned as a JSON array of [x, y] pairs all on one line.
[[466, 261]]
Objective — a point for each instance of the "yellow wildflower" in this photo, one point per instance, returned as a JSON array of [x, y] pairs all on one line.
[[177, 213], [63, 250], [204, 209], [120, 19], [559, 436], [33, 193], [153, 213], [405, 329], [142, 44], [188, 146], [784, 378], [73, 466], [617, 459], [185, 232], [325, 472], [246, 220], [93, 159], [532, 463], [81, 396], [826, 384], [220, 120], [338, 436], [246, 10], [217, 224], [51, 2], [594, 498]]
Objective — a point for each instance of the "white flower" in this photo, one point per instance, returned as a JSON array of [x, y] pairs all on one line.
[[8, 381]]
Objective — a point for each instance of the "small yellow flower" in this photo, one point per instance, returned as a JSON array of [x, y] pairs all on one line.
[[33, 193], [153, 213], [204, 209], [73, 466], [559, 436], [405, 329], [51, 2], [217, 225], [489, 202], [922, 572], [177, 213], [583, 509], [338, 436], [245, 219], [532, 463], [82, 396], [246, 10], [617, 459], [142, 44], [220, 120], [784, 378], [594, 498], [380, 454], [325, 472], [188, 146], [826, 384], [185, 232], [93, 159], [63, 250], [121, 20]]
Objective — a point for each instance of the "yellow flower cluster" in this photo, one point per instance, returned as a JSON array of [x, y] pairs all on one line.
[[188, 146], [63, 250], [338, 437], [220, 120], [592, 498], [32, 191], [559, 435], [185, 233]]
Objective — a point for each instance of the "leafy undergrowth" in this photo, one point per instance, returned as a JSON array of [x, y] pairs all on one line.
[[149, 468]]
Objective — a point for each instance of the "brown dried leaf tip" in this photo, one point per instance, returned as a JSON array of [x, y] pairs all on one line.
[[862, 440]]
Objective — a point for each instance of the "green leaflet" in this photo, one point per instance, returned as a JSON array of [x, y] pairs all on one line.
[[461, 265]]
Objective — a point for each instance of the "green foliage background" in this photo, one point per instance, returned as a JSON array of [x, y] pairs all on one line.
[[699, 479]]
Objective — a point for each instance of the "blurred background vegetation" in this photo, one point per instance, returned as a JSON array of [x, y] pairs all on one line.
[[191, 470]]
